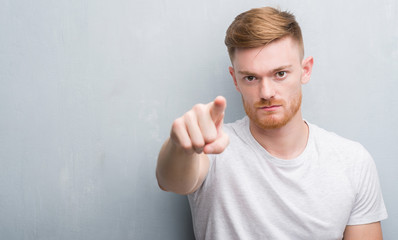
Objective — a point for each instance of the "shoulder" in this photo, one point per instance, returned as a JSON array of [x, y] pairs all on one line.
[[333, 142], [338, 150]]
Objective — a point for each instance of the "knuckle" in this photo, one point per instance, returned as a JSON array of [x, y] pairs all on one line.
[[177, 128], [189, 116], [198, 144], [210, 135], [186, 145], [210, 138], [177, 124], [199, 108]]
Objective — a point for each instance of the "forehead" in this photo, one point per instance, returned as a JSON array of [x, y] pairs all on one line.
[[282, 52]]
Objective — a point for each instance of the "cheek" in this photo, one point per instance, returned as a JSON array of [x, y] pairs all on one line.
[[247, 94], [294, 87]]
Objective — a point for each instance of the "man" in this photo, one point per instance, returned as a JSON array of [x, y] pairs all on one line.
[[270, 175]]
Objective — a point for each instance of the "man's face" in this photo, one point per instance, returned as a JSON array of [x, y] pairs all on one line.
[[269, 79]]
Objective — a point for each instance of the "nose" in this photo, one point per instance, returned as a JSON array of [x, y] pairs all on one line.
[[267, 89]]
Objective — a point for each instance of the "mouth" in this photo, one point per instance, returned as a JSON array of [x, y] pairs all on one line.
[[270, 108]]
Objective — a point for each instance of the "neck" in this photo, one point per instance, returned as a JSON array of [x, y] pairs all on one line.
[[287, 142]]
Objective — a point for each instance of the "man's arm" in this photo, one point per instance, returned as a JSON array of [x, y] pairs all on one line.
[[178, 171], [370, 231], [182, 163]]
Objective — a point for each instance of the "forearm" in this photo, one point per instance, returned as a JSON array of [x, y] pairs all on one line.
[[371, 231], [177, 170]]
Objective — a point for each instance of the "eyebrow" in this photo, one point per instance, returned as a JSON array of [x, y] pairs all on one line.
[[278, 69]]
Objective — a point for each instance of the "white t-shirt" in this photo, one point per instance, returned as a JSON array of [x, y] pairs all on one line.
[[249, 194]]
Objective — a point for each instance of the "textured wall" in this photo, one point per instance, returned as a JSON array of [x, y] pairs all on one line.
[[88, 90]]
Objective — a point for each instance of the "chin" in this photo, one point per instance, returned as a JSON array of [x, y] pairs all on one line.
[[271, 124]]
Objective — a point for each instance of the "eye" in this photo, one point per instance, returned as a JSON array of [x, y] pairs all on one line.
[[250, 78], [281, 74]]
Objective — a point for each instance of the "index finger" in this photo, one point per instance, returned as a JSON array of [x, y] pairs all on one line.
[[217, 108]]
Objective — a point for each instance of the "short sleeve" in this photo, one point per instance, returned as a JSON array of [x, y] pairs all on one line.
[[369, 204]]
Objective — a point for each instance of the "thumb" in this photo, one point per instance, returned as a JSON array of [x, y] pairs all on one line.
[[217, 146], [217, 108]]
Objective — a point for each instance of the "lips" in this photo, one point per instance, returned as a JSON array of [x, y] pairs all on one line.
[[269, 108]]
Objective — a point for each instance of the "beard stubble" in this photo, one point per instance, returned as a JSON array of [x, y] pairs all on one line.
[[269, 120]]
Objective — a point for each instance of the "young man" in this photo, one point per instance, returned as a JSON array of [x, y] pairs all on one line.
[[270, 175]]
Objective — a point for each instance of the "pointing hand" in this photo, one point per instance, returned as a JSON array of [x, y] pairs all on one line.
[[200, 129]]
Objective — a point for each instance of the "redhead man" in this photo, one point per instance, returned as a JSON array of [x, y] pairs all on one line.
[[270, 175]]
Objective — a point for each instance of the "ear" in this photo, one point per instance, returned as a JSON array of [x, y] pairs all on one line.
[[306, 69], [232, 72]]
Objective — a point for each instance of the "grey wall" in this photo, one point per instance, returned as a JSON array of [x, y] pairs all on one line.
[[88, 90]]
